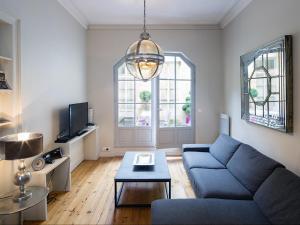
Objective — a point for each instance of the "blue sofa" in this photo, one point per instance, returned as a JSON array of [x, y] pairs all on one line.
[[234, 184]]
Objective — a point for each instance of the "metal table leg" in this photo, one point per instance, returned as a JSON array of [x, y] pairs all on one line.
[[118, 195], [21, 217]]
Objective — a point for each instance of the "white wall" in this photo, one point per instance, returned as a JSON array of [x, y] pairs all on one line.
[[261, 22], [203, 47], [53, 67]]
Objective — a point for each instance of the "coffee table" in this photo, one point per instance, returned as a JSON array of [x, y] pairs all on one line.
[[130, 173]]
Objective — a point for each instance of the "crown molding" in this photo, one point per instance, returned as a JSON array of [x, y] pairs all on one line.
[[234, 12], [75, 12], [153, 27]]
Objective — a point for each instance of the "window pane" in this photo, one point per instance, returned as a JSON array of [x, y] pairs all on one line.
[[274, 97], [275, 85], [126, 92], [126, 115], [168, 71], [183, 91], [274, 109], [123, 73], [167, 115], [183, 115], [167, 91], [273, 63], [259, 110], [143, 92], [252, 108], [258, 62], [183, 71], [250, 69], [143, 115]]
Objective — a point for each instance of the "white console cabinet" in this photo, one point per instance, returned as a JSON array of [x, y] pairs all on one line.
[[83, 147]]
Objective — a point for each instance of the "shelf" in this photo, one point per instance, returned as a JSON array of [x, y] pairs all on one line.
[[5, 59], [87, 131], [49, 167], [5, 122], [5, 91]]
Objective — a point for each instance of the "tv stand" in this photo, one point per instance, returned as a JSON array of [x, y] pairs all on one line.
[[63, 139], [82, 147], [81, 132]]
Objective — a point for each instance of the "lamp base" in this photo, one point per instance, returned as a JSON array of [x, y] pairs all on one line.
[[22, 177], [21, 197]]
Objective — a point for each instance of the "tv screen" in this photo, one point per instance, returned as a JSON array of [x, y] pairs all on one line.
[[78, 118]]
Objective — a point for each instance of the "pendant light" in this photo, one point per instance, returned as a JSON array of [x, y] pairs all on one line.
[[144, 58]]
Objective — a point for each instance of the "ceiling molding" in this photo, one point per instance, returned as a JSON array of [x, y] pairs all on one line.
[[154, 27], [75, 12], [234, 12]]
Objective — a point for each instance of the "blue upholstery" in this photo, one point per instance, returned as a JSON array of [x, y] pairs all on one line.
[[206, 211], [223, 148], [225, 195], [195, 147], [279, 197], [201, 160], [250, 167], [217, 183]]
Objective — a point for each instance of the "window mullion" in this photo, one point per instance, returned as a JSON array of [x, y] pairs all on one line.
[[134, 102], [175, 91]]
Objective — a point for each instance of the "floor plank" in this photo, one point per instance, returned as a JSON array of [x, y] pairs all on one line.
[[91, 199]]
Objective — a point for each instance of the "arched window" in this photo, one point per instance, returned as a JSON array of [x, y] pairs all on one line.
[[159, 112]]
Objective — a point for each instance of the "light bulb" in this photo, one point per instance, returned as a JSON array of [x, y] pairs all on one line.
[[23, 136]]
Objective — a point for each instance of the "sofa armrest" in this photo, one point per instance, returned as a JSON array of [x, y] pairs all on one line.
[[195, 147]]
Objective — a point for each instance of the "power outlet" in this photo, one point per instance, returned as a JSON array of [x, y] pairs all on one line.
[[107, 149]]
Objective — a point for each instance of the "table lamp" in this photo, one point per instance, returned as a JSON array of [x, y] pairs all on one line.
[[21, 146]]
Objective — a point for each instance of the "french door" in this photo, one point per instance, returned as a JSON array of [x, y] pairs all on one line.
[[134, 110], [157, 113], [175, 111]]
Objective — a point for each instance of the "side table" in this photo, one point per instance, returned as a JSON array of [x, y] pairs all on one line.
[[8, 206]]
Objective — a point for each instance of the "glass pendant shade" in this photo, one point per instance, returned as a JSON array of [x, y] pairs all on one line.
[[144, 59]]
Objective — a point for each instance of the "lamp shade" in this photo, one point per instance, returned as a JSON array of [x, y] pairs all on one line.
[[144, 58], [21, 146]]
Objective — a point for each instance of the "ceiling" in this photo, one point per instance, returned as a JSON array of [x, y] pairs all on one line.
[[165, 12]]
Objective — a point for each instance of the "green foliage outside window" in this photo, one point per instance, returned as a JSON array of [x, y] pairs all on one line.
[[145, 96], [253, 92], [187, 106]]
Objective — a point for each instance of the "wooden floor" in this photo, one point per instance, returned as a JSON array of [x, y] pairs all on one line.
[[91, 200]]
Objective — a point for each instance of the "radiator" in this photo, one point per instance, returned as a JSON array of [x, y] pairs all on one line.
[[224, 124]]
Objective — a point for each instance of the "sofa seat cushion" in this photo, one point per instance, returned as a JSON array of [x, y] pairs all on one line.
[[279, 197], [251, 167], [206, 211], [223, 148], [217, 183], [201, 160]]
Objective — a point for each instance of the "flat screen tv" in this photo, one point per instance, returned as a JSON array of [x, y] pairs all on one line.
[[78, 118]]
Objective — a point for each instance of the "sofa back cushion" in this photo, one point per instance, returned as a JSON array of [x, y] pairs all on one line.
[[279, 197], [223, 148], [251, 167]]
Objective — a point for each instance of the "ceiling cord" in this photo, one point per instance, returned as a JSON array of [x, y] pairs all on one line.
[[145, 16]]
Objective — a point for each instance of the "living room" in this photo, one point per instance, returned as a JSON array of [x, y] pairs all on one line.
[[212, 132]]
